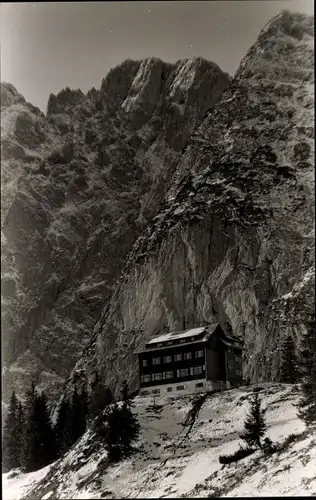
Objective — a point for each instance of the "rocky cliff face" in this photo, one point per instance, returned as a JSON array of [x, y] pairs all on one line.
[[234, 239], [171, 197], [78, 187]]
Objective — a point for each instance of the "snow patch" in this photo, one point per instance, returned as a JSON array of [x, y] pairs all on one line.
[[168, 462], [15, 486]]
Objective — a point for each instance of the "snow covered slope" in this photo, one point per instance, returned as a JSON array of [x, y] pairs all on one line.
[[170, 463]]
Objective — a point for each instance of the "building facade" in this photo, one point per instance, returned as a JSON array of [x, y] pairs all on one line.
[[193, 360]]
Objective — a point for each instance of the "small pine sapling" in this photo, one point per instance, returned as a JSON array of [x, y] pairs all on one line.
[[255, 426]]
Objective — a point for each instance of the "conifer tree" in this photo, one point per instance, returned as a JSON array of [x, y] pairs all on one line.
[[39, 446], [118, 427], [84, 409], [71, 420], [30, 398], [12, 435], [46, 436], [79, 414], [21, 426], [255, 426], [21, 420], [307, 367], [289, 370], [130, 428], [125, 394], [63, 428], [122, 428], [29, 403], [101, 396], [124, 391]]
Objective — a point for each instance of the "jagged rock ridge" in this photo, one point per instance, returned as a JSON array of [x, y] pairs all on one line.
[[218, 184], [234, 240], [78, 187]]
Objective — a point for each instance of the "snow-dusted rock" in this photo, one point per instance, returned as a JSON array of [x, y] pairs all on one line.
[[78, 186], [172, 196], [235, 231]]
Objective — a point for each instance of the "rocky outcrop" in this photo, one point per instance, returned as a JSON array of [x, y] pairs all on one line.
[[234, 238], [79, 186], [174, 196]]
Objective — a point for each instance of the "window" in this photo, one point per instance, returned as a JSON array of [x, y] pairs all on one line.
[[156, 361], [170, 342], [167, 359], [147, 378], [180, 387], [167, 375], [196, 370], [182, 341], [145, 362], [157, 376], [187, 355], [200, 384], [169, 389], [156, 391], [178, 357], [199, 354], [184, 372]]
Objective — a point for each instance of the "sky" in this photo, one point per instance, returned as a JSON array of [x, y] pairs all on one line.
[[48, 46]]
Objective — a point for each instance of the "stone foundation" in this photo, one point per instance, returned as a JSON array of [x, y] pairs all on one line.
[[187, 387]]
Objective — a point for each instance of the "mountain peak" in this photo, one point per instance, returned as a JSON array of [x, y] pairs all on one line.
[[285, 45], [219, 172], [10, 95], [292, 24], [64, 100]]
